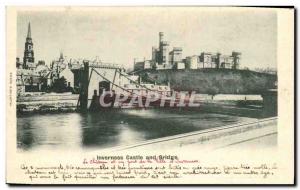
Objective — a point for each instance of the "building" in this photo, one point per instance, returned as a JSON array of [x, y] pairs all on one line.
[[28, 59], [31, 77], [59, 77], [57, 66], [147, 64], [19, 65], [163, 55], [209, 60], [160, 56], [42, 69], [236, 56], [192, 62], [175, 56], [179, 65], [163, 59], [206, 60], [225, 62], [28, 81], [155, 52], [139, 65], [35, 80], [69, 76]]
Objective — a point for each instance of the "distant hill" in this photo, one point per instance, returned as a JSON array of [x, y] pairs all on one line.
[[213, 81]]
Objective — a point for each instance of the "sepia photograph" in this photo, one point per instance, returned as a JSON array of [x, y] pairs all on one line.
[[119, 83]]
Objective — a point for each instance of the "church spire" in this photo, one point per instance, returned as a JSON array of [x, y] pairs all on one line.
[[61, 56], [28, 59], [29, 31]]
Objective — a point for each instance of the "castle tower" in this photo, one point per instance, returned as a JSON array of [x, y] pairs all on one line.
[[163, 55], [161, 37], [236, 59], [154, 54], [218, 60], [28, 59]]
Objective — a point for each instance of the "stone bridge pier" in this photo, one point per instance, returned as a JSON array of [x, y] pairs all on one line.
[[92, 79], [270, 103]]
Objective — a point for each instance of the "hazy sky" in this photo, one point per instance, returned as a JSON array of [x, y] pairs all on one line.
[[121, 34]]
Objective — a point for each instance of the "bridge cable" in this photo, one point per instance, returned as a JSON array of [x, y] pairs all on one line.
[[132, 93], [139, 84]]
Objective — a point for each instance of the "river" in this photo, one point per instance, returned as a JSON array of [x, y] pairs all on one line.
[[111, 128]]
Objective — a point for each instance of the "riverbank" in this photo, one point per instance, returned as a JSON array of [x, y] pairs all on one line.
[[47, 102], [67, 102]]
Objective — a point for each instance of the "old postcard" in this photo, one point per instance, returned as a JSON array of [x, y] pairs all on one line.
[[150, 95]]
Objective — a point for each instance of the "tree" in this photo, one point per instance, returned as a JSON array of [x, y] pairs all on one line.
[[59, 85], [213, 91]]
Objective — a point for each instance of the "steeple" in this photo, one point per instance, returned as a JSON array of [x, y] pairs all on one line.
[[61, 56], [29, 31], [28, 59]]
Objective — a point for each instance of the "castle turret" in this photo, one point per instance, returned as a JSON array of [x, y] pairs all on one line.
[[218, 60], [161, 37], [236, 59], [163, 57]]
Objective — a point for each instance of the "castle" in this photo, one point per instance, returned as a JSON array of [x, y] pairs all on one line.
[[163, 59]]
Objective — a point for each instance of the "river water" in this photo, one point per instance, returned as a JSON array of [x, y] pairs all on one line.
[[111, 128]]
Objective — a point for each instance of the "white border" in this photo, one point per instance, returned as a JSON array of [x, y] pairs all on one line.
[[4, 3]]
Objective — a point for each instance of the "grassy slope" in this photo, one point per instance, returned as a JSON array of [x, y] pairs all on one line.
[[223, 81]]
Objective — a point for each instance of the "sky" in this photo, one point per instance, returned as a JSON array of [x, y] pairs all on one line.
[[120, 34]]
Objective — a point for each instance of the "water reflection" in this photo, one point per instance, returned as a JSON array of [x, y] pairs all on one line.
[[111, 127], [49, 131]]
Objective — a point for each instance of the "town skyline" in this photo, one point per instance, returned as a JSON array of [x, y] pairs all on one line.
[[120, 39]]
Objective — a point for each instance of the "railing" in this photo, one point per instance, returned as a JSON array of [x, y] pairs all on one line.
[[93, 64]]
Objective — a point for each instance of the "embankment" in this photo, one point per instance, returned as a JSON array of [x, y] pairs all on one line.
[[51, 102], [213, 81]]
